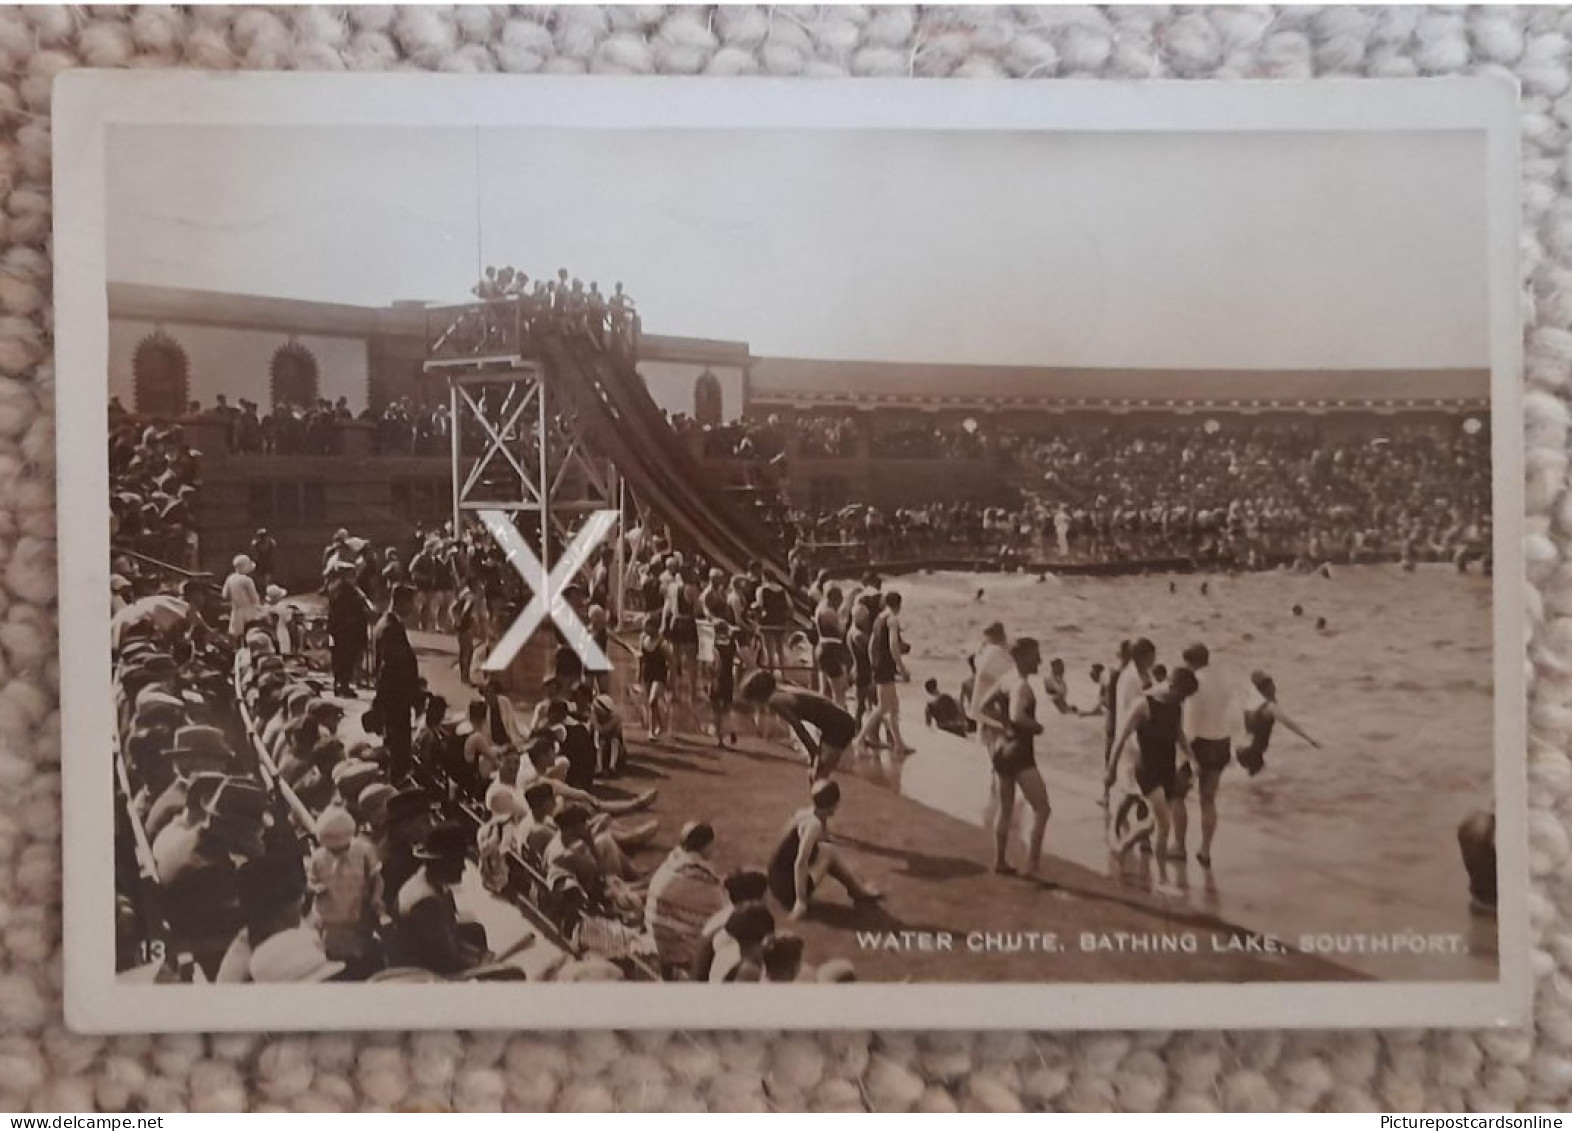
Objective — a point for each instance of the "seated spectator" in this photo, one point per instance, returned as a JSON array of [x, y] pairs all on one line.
[[500, 835], [431, 933], [592, 864], [407, 823], [537, 829], [740, 888], [196, 750], [198, 872], [271, 891], [746, 930], [685, 892], [782, 957]]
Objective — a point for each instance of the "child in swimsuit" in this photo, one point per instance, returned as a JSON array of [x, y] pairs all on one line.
[[654, 674]]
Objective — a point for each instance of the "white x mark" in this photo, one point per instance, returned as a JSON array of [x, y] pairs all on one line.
[[547, 600]]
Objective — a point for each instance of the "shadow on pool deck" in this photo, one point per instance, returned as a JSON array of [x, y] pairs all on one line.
[[946, 917]]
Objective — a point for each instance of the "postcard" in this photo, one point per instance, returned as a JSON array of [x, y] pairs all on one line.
[[728, 554]]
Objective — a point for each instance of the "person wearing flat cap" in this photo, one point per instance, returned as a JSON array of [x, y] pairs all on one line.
[[348, 624], [316, 789], [303, 737], [431, 934], [201, 897]]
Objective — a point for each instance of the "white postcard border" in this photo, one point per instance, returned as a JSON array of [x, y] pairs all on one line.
[[86, 102]]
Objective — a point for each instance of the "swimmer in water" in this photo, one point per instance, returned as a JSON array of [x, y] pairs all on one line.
[[1058, 691], [1259, 722]]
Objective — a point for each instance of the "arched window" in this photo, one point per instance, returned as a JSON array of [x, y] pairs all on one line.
[[707, 399], [294, 373], [161, 376]]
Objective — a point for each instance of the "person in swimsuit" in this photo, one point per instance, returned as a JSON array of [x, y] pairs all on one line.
[[655, 674], [723, 681], [680, 627], [800, 709], [1476, 838], [1058, 690], [886, 650], [1110, 697], [857, 641], [1156, 724], [805, 856], [1259, 722], [831, 656], [944, 711], [1206, 725], [1009, 724]]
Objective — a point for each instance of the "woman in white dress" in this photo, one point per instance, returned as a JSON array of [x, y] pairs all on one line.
[[240, 591]]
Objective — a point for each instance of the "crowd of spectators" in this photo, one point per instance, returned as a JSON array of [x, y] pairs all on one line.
[[951, 443], [153, 490], [1244, 498]]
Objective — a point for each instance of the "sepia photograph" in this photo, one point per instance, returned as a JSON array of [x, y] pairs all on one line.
[[1060, 547]]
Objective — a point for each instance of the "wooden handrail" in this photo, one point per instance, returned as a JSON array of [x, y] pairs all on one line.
[[267, 767], [166, 567]]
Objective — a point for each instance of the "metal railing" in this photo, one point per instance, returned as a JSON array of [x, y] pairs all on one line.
[[529, 889], [512, 328]]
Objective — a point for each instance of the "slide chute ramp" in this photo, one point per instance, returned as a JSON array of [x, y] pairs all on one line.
[[620, 420]]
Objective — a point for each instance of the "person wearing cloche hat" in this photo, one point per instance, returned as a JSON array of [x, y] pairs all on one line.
[[371, 808], [352, 776], [345, 880], [245, 605], [431, 934]]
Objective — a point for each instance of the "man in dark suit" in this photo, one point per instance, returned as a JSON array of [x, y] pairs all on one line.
[[348, 612], [398, 681]]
